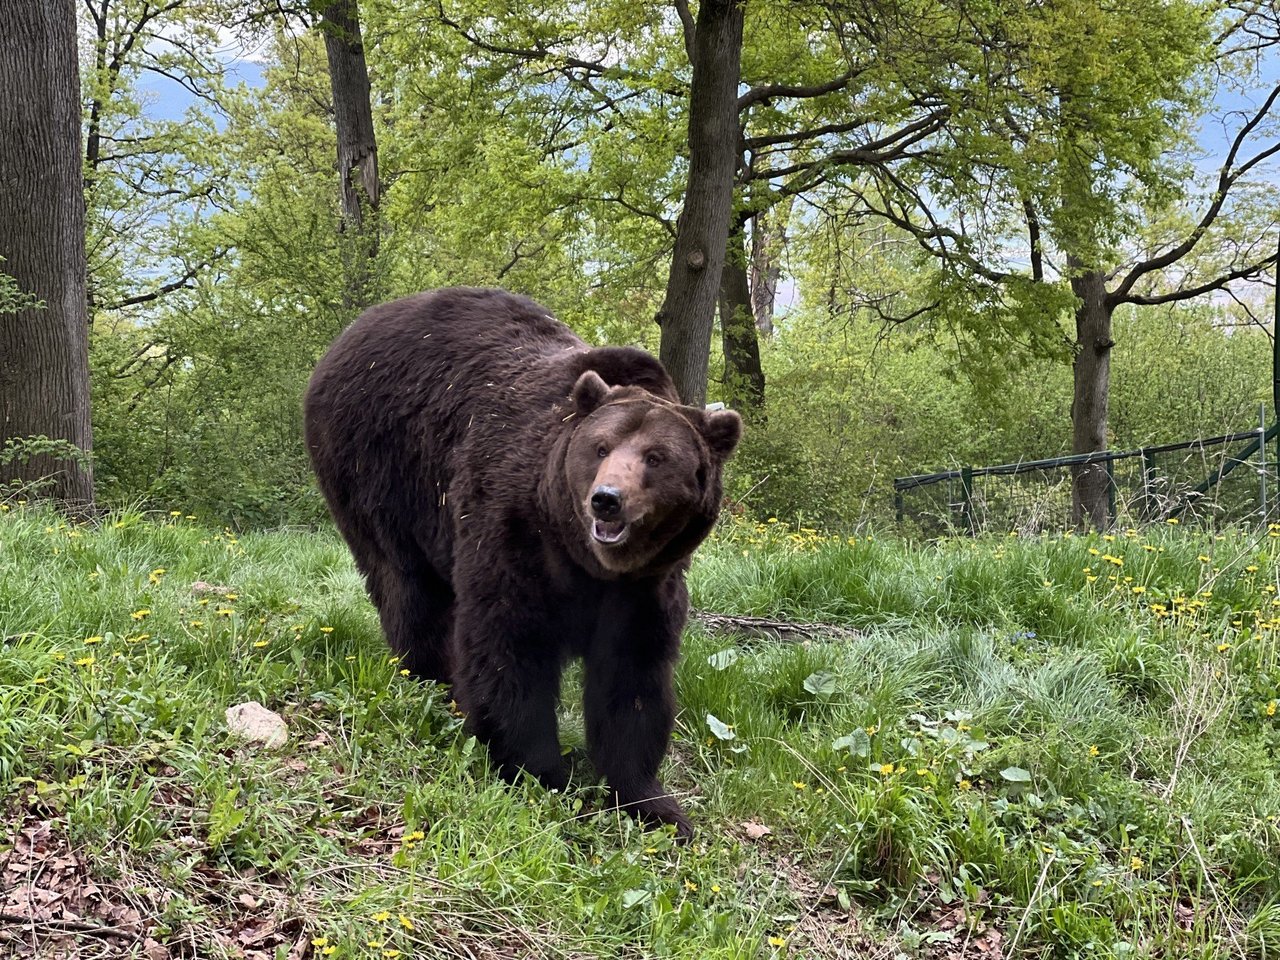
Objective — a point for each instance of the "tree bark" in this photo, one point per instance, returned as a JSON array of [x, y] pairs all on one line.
[[768, 234], [44, 350], [357, 147], [744, 377], [1090, 484], [687, 316]]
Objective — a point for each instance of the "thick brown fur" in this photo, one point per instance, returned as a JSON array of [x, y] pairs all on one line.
[[515, 498]]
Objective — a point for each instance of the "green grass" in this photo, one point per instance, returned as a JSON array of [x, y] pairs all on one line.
[[1006, 753]]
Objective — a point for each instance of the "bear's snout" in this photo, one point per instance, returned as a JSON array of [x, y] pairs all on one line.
[[606, 502]]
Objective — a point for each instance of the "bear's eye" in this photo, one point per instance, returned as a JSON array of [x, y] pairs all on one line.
[[602, 451], [653, 460]]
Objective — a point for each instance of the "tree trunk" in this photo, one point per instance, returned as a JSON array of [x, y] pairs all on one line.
[[357, 147], [743, 375], [44, 350], [768, 234], [1090, 487], [702, 232]]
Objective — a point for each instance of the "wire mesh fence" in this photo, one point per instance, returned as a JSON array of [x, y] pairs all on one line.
[[1225, 479]]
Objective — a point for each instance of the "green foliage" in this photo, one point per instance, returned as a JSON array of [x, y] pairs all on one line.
[[20, 451], [851, 408], [12, 297]]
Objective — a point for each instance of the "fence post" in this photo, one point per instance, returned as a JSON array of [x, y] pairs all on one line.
[[1262, 463], [1148, 484], [966, 498], [1111, 491], [898, 506]]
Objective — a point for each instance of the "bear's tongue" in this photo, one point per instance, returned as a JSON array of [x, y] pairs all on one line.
[[608, 531]]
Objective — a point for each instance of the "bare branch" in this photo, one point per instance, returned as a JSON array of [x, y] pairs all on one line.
[[1227, 177], [1208, 286]]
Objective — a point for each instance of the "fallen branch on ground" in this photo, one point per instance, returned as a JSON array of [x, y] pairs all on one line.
[[765, 628]]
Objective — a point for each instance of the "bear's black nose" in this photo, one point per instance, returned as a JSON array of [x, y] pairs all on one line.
[[606, 502]]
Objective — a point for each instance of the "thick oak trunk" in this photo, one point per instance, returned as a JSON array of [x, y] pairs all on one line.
[[357, 146], [693, 285], [44, 350], [1090, 487], [743, 375]]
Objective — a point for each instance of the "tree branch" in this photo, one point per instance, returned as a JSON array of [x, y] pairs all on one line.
[[1217, 283], [770, 90], [1227, 176], [688, 26], [181, 283]]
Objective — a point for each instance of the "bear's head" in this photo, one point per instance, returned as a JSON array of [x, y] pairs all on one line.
[[644, 473]]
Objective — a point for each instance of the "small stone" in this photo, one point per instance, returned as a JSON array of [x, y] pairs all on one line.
[[253, 722]]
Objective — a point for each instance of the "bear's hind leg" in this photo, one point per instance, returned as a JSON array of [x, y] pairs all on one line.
[[416, 610]]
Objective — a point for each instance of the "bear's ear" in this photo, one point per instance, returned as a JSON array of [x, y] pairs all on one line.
[[722, 430], [589, 392]]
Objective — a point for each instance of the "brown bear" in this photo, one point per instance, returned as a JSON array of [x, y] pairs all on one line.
[[515, 498]]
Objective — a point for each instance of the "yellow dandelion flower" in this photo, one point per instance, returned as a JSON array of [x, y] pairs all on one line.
[[89, 640], [690, 886], [382, 916], [84, 662], [715, 888], [329, 951], [1224, 647], [259, 644], [405, 922], [225, 612], [886, 769], [46, 680], [141, 614], [965, 785], [799, 784], [1271, 709], [404, 673], [1135, 863], [1094, 751], [777, 942], [319, 941]]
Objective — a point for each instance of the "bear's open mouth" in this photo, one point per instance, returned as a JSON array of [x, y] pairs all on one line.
[[609, 531]]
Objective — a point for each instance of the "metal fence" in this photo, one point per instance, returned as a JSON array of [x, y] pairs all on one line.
[[1225, 479]]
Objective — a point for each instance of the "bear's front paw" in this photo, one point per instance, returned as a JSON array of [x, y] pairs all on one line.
[[552, 776], [659, 809]]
